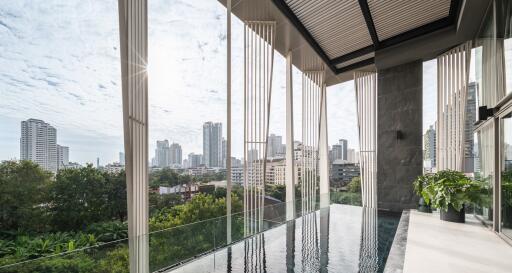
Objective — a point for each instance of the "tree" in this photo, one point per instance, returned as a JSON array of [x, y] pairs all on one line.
[[276, 191], [23, 192], [86, 195], [355, 185], [116, 195]]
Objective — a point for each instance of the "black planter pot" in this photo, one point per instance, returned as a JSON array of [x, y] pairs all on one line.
[[423, 206], [451, 215]]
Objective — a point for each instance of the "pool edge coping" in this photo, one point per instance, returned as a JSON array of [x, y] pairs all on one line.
[[396, 257]]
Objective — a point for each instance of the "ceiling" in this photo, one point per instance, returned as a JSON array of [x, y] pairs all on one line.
[[348, 32]]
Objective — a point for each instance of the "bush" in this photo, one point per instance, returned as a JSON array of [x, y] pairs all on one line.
[[451, 188]]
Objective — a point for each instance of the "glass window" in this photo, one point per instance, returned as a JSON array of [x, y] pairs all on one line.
[[506, 176]]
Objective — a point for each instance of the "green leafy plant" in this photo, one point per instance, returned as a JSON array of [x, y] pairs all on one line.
[[451, 188], [421, 182]]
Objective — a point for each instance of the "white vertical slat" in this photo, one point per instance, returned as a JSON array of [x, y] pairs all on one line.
[[258, 67], [453, 77], [133, 40], [228, 123], [366, 98], [290, 158], [313, 85]]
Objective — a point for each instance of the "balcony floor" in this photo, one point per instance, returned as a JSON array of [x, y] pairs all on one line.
[[437, 246]]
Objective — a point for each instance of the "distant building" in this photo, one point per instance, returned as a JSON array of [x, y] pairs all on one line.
[[122, 158], [73, 165], [62, 156], [175, 155], [429, 150], [235, 162], [275, 171], [212, 144], [342, 172], [252, 155], [339, 151], [114, 167], [162, 154], [351, 156], [38, 143], [194, 160], [275, 146], [237, 175]]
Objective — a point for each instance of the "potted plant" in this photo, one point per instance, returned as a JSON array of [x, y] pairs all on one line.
[[449, 191], [418, 185]]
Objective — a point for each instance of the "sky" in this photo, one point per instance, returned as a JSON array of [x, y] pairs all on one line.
[[60, 63]]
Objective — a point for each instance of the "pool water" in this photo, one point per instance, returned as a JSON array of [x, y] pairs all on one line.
[[340, 238]]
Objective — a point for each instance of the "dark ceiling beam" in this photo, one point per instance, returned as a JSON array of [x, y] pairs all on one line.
[[283, 7], [429, 28], [369, 22], [357, 65], [354, 54]]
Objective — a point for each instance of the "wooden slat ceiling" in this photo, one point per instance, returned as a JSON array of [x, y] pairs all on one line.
[[333, 21], [398, 16], [349, 31]]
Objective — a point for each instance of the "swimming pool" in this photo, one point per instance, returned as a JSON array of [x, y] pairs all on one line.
[[339, 238]]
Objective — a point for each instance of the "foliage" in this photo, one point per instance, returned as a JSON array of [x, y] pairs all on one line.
[[421, 182], [117, 261], [161, 201], [200, 207], [355, 185], [451, 188], [86, 195], [109, 231], [276, 191], [347, 198], [23, 187]]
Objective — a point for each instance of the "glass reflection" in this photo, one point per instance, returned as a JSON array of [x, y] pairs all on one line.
[[339, 238], [506, 177]]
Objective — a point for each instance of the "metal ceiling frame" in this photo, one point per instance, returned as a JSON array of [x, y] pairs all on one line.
[[442, 23]]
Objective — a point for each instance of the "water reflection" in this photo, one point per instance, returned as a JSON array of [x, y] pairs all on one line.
[[335, 239]]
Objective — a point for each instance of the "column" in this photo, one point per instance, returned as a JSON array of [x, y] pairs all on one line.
[[134, 43]]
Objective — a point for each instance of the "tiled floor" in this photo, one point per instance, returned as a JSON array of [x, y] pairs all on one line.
[[438, 246]]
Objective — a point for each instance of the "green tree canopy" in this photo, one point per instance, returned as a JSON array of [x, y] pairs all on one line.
[[23, 187]]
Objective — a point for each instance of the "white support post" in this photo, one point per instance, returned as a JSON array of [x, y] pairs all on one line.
[[228, 129], [290, 158], [324, 152], [133, 27]]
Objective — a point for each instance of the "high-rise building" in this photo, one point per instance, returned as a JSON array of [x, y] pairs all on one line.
[[212, 144], [339, 151], [275, 146], [162, 154], [121, 158], [429, 152], [175, 154], [469, 140], [194, 160], [38, 143], [351, 156], [224, 152], [62, 156]]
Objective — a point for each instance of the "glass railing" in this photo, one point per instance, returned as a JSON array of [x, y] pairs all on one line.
[[168, 248], [100, 258]]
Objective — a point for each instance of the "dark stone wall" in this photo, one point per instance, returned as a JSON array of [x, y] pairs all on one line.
[[399, 149]]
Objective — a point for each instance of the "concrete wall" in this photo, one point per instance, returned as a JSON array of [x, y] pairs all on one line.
[[399, 161]]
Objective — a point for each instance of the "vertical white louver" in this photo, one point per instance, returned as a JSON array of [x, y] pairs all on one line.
[[452, 86], [312, 87], [133, 28], [259, 58], [366, 98]]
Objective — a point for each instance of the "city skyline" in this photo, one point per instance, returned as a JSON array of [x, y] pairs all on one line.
[[78, 88]]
